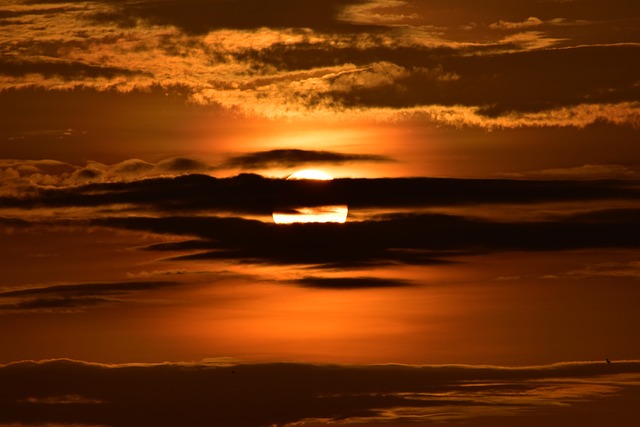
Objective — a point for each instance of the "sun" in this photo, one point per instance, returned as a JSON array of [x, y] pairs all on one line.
[[311, 174], [322, 214]]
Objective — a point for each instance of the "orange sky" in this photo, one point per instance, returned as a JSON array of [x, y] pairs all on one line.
[[487, 154]]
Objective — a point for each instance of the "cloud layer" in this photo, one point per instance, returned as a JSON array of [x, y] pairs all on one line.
[[70, 392], [191, 205], [381, 59]]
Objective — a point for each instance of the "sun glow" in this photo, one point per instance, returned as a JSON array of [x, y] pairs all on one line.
[[311, 174], [312, 214], [321, 214]]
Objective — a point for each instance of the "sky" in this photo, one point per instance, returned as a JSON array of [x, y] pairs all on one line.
[[487, 273]]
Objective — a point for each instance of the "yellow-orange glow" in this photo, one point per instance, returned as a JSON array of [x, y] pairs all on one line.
[[337, 213], [311, 174]]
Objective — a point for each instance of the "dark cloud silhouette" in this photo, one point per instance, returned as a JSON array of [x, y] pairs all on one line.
[[83, 289], [74, 295], [201, 16], [294, 157], [182, 164], [411, 239], [68, 70], [14, 223], [45, 11], [54, 304], [350, 282], [248, 193], [245, 395]]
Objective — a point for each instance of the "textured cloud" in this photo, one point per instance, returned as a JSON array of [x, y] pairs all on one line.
[[66, 70], [69, 392], [531, 21], [352, 58], [25, 177], [629, 270]]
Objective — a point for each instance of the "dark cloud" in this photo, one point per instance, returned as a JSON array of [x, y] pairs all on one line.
[[293, 157], [350, 282], [498, 83], [54, 304], [7, 13], [83, 289], [489, 67], [188, 203], [248, 193], [202, 16], [620, 216], [411, 239], [9, 223], [244, 395], [68, 70], [60, 297], [86, 174], [182, 164]]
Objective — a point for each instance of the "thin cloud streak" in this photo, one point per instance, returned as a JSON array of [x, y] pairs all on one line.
[[62, 298], [349, 282]]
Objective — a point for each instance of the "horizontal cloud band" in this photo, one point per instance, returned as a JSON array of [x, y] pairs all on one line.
[[244, 395]]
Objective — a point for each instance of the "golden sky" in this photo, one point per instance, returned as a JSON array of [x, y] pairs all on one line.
[[486, 151]]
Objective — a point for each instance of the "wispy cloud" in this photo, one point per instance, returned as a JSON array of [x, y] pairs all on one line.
[[531, 21], [75, 296], [581, 172]]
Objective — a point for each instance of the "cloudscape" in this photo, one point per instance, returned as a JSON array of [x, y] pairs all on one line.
[[310, 213]]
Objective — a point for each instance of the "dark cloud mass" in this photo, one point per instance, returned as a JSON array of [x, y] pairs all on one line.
[[297, 158], [250, 193], [188, 204], [412, 239], [243, 395], [68, 70], [350, 282], [202, 16]]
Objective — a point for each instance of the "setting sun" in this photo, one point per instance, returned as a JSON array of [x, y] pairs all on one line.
[[323, 214], [311, 174]]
